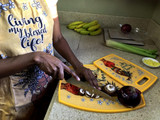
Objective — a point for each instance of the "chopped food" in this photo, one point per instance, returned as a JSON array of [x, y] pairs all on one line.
[[151, 62], [78, 91], [110, 89]]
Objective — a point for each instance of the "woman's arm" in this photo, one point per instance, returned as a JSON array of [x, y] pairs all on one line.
[[48, 63], [63, 49], [12, 65]]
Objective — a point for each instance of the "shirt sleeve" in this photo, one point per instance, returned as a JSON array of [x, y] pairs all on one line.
[[52, 4]]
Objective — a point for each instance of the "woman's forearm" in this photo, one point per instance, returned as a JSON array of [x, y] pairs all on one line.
[[67, 53], [15, 64], [62, 47], [46, 62]]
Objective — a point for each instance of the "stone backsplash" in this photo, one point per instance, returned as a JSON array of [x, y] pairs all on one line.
[[104, 20], [145, 25]]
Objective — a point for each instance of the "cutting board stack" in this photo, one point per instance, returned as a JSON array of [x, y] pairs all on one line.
[[139, 78], [132, 38]]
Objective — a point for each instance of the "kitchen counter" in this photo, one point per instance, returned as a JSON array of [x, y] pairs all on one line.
[[89, 49]]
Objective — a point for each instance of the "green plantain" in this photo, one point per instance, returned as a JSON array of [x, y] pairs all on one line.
[[84, 32], [79, 29], [93, 28], [71, 27], [90, 24], [76, 23], [97, 32]]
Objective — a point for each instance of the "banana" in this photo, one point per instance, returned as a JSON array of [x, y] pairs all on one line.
[[79, 29], [71, 27], [97, 32], [84, 32], [90, 24], [76, 23], [93, 28], [80, 25]]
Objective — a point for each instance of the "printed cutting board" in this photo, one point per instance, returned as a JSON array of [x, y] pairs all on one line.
[[126, 72], [94, 104]]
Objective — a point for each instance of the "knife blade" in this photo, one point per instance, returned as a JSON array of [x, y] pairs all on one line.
[[86, 86]]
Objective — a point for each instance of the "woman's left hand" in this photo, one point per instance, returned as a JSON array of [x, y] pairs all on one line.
[[86, 74]]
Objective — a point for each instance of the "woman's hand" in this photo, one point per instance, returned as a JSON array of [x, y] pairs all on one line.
[[66, 52], [53, 66], [86, 74]]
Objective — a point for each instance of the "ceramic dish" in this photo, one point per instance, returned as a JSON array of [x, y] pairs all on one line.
[[150, 62]]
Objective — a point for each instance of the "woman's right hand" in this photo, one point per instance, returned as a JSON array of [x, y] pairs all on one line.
[[52, 65]]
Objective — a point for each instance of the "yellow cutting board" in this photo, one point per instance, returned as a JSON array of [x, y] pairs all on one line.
[[93, 104], [140, 78]]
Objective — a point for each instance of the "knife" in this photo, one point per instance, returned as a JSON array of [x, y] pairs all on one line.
[[86, 86]]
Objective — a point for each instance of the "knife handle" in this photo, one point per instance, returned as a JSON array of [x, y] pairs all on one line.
[[67, 75]]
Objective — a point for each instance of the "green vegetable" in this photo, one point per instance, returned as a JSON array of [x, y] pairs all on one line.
[[95, 22], [79, 29], [84, 32], [76, 23], [97, 32], [93, 28], [130, 48], [71, 27], [80, 25], [144, 50]]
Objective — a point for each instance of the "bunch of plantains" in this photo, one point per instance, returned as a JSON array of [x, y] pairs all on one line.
[[91, 28]]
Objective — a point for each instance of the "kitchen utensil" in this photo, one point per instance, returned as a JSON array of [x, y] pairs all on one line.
[[86, 86], [120, 37], [117, 34], [104, 105], [126, 72]]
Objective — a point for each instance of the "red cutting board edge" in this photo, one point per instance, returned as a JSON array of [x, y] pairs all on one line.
[[142, 87]]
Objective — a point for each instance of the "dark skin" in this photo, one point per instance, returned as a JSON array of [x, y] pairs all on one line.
[[48, 63]]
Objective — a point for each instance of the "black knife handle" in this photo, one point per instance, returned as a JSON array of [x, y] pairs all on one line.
[[67, 75]]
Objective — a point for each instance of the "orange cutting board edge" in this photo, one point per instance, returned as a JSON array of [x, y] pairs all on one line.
[[147, 74], [94, 105], [81, 107]]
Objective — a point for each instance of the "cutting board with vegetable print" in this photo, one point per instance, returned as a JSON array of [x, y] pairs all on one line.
[[68, 96], [126, 72]]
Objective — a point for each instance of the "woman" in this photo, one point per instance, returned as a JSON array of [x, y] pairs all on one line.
[[29, 29]]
